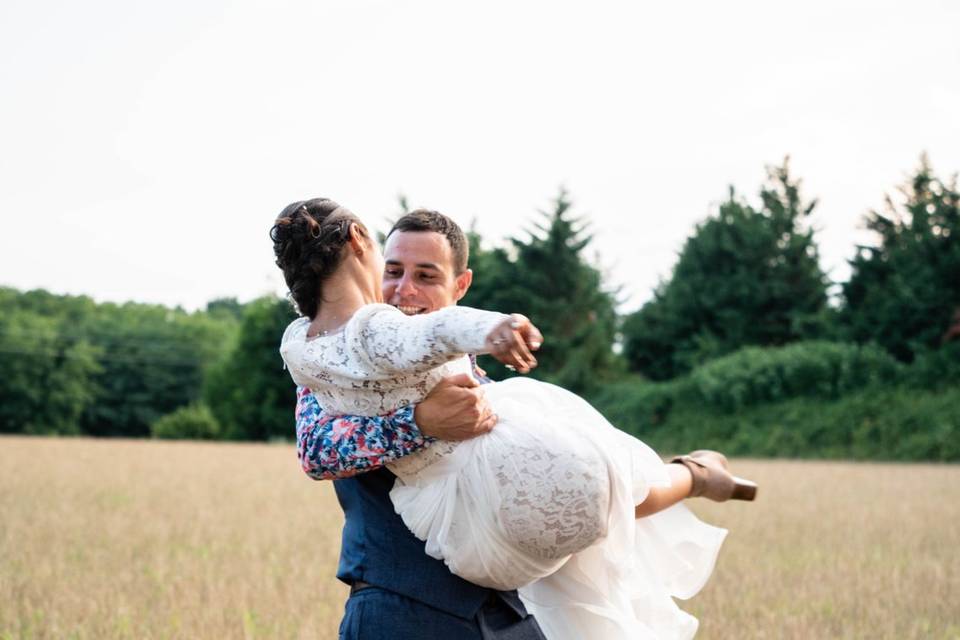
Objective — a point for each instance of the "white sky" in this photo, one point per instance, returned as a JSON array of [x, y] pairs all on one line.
[[145, 148]]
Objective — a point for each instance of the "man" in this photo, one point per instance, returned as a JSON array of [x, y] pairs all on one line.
[[397, 591]]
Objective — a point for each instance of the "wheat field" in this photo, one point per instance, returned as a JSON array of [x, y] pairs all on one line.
[[146, 539]]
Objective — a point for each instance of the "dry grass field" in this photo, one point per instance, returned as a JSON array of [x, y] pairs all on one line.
[[141, 539]]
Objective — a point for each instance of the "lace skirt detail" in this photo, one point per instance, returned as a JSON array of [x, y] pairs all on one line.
[[545, 501]]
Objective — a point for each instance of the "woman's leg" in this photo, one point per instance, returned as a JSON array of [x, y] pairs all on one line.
[[660, 498], [701, 473]]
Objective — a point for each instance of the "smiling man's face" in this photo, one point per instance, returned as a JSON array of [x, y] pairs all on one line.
[[420, 276]]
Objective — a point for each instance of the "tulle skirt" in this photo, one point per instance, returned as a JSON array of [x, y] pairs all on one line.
[[544, 503]]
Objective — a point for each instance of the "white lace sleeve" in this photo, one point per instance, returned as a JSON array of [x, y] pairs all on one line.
[[392, 343]]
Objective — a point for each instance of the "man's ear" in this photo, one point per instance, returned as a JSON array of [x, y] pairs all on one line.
[[463, 282]]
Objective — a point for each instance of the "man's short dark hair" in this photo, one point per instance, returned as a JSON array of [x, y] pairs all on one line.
[[427, 220]]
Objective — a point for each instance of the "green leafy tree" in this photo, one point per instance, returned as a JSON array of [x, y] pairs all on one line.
[[48, 375], [153, 360], [249, 391], [226, 308], [905, 289], [149, 359], [747, 276], [547, 278]]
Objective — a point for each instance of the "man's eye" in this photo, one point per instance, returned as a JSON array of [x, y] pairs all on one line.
[[392, 273]]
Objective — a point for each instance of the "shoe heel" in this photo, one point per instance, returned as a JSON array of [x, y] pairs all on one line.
[[744, 489]]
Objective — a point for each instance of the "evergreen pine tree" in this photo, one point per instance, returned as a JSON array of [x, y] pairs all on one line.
[[745, 277], [904, 290], [547, 278]]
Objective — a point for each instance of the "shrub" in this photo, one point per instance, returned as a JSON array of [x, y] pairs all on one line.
[[811, 399], [191, 422], [638, 405], [936, 368], [875, 423], [816, 369], [750, 377]]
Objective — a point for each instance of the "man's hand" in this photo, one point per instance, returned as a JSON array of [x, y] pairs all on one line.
[[455, 410]]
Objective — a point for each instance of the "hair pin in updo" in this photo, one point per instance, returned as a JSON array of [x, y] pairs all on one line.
[[313, 224]]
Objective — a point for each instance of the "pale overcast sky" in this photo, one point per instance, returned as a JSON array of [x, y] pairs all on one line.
[[146, 147]]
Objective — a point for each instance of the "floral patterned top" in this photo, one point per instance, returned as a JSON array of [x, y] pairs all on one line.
[[331, 447], [368, 377]]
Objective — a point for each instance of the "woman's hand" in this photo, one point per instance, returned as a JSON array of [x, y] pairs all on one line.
[[513, 341]]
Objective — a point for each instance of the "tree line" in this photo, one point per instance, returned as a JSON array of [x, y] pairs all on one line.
[[741, 345]]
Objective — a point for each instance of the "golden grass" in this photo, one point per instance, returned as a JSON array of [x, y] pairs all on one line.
[[141, 539], [837, 550]]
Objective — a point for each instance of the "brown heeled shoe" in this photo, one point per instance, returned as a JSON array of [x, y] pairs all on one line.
[[712, 480]]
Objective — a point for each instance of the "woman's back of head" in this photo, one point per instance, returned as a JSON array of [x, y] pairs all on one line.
[[308, 239]]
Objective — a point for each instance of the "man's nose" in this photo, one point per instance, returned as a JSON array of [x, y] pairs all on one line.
[[406, 286]]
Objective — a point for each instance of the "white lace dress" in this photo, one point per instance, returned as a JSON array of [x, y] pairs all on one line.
[[543, 503]]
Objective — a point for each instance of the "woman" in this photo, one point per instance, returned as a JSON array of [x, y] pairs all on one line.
[[553, 487]]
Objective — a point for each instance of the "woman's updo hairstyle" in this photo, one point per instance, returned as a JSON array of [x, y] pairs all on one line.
[[308, 239]]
